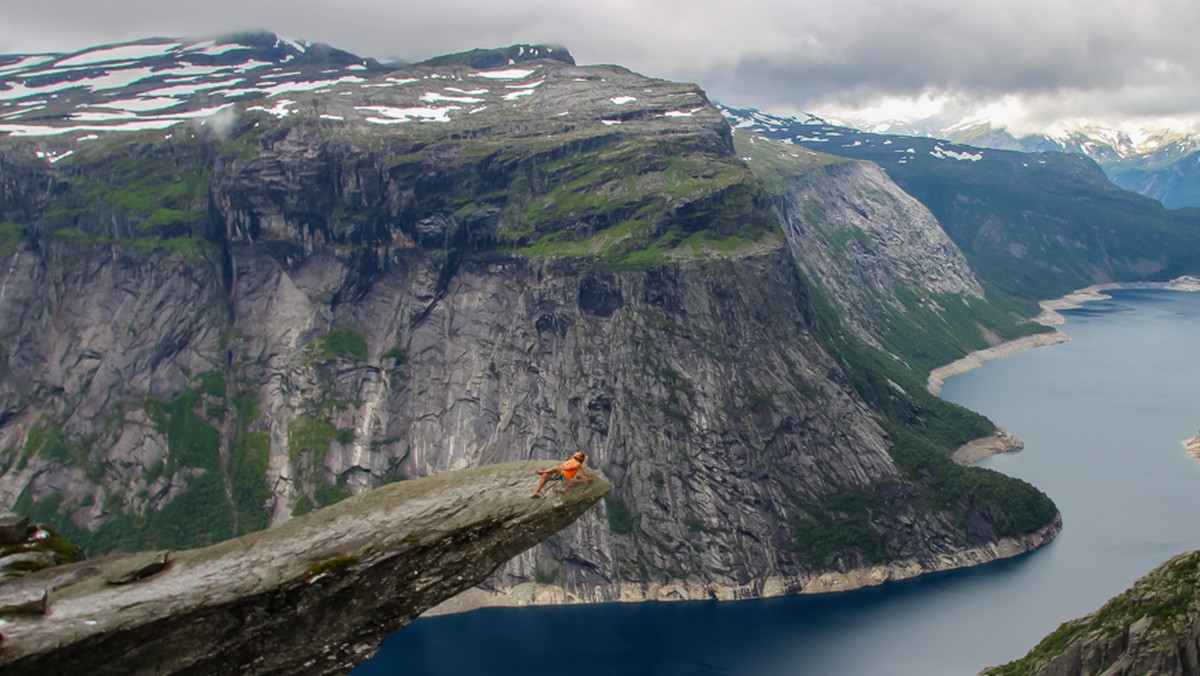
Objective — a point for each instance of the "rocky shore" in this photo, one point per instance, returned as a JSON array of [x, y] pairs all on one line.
[[1151, 628], [1049, 316], [1000, 441], [938, 376], [1193, 446], [1050, 308]]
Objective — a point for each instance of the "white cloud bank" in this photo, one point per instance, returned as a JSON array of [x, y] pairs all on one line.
[[1036, 61]]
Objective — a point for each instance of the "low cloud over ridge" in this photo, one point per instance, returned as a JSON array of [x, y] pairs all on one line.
[[1050, 59]]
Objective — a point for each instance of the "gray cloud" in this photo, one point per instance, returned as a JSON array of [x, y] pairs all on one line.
[[984, 52], [1064, 57]]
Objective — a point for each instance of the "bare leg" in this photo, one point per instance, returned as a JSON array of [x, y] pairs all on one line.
[[580, 478], [537, 493]]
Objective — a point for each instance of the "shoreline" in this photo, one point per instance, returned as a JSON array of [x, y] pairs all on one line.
[[1049, 316], [532, 594], [938, 376], [1001, 441]]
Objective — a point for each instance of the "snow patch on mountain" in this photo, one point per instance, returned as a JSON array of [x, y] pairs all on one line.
[[942, 153], [117, 53], [507, 74], [393, 115]]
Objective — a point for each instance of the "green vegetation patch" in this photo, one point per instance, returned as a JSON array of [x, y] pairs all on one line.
[[546, 578], [326, 494], [635, 203], [308, 436], [330, 566], [192, 441], [620, 520], [342, 342], [839, 524], [308, 441], [194, 248], [778, 165], [249, 454], [1015, 507], [197, 517], [304, 505], [139, 191], [936, 330], [202, 513], [11, 237], [39, 511], [49, 442]]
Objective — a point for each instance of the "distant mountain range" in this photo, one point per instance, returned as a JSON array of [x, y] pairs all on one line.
[[1159, 161]]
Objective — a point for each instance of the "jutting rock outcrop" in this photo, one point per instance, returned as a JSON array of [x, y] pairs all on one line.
[[316, 595]]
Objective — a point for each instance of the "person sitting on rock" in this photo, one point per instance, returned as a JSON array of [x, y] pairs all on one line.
[[571, 470]]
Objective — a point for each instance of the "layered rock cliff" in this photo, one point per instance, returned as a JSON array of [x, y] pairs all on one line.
[[867, 241], [1151, 628], [316, 595], [216, 327]]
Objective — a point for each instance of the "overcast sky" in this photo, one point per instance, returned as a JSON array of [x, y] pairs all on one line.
[[1027, 63]]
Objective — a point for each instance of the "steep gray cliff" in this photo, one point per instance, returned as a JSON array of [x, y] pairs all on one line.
[[870, 249], [210, 330], [316, 595], [852, 228], [900, 282], [1151, 628]]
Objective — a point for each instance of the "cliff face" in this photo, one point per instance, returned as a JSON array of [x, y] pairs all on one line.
[[1152, 628], [315, 596], [873, 248], [214, 329]]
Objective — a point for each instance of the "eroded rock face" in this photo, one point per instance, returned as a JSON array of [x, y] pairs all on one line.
[[870, 244], [314, 596], [1151, 628]]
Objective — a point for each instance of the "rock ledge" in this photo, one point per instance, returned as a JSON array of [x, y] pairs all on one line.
[[316, 595]]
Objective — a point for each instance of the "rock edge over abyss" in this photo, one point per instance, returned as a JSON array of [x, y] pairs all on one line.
[[315, 595]]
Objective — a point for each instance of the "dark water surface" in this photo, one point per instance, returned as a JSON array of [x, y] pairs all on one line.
[[1102, 418]]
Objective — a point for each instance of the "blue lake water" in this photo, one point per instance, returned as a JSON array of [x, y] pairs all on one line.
[[1102, 418]]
